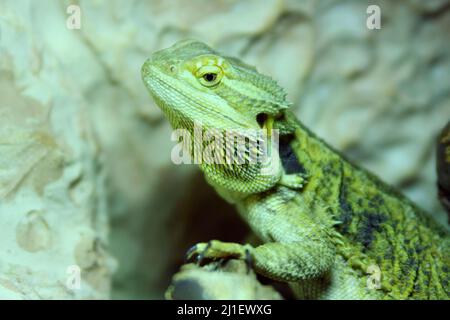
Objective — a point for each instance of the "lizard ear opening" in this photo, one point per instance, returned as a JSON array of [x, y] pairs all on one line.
[[261, 118]]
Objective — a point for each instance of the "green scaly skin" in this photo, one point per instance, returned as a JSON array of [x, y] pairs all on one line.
[[327, 228]]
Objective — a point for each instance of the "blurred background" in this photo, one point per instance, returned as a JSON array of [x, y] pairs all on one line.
[[85, 173]]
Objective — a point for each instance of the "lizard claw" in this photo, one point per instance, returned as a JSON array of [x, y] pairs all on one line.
[[216, 250], [196, 253], [201, 256], [190, 253]]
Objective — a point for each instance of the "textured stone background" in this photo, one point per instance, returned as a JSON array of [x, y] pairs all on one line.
[[380, 96]]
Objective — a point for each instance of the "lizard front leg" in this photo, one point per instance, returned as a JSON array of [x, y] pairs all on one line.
[[298, 244], [279, 261]]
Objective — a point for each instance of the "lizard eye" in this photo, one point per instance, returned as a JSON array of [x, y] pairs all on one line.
[[209, 76]]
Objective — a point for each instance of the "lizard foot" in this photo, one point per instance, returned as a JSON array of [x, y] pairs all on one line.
[[216, 250], [293, 181]]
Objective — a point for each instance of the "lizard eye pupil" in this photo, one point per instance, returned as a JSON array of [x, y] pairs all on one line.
[[210, 77]]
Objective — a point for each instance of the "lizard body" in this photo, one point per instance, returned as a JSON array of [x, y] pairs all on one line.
[[329, 228]]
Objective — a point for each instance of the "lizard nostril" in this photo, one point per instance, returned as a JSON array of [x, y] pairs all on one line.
[[145, 69]]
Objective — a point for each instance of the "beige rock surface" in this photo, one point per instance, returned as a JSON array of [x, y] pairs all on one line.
[[53, 215]]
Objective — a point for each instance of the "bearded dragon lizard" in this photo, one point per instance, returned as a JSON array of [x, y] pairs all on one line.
[[327, 226]]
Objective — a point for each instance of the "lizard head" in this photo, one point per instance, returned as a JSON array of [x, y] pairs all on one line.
[[191, 82], [195, 85]]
